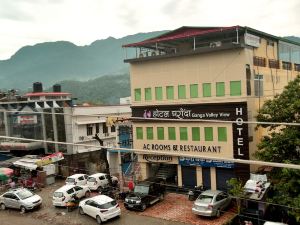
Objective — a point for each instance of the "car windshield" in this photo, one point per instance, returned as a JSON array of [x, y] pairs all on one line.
[[24, 194], [70, 180], [58, 194], [205, 198], [141, 189], [108, 205], [91, 179]]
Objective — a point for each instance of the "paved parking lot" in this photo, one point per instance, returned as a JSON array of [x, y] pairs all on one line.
[[174, 210]]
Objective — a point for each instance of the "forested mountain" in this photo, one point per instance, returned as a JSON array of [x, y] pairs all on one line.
[[51, 62]]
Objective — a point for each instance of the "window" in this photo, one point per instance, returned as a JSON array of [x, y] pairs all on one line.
[[181, 92], [149, 133], [195, 133], [273, 63], [104, 128], [183, 134], [139, 133], [259, 85], [77, 188], [220, 89], [170, 92], [208, 133], [70, 191], [112, 129], [89, 129], [97, 128], [160, 133], [297, 67], [286, 65], [171, 133], [206, 90], [148, 94], [158, 93], [259, 61], [222, 134], [248, 80], [194, 90], [137, 94], [235, 88]]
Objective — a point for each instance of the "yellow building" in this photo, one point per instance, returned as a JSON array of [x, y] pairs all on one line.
[[207, 73]]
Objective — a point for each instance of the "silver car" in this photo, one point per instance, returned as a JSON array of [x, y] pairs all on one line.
[[20, 198], [211, 203]]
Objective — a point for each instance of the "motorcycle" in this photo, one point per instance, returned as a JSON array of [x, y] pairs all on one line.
[[110, 191], [194, 193], [73, 203]]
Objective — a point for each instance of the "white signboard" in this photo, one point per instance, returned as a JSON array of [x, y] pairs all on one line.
[[252, 40], [26, 119]]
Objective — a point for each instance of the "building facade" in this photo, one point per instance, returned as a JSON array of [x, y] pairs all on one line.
[[210, 74]]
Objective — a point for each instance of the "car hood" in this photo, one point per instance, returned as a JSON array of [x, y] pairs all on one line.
[[32, 199], [135, 196]]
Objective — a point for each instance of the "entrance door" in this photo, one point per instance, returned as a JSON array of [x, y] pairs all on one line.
[[206, 177], [189, 179], [223, 174]]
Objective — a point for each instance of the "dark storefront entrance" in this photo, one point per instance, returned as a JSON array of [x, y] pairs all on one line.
[[189, 179], [223, 174], [206, 177]]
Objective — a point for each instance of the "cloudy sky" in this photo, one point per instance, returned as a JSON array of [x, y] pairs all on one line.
[[27, 22]]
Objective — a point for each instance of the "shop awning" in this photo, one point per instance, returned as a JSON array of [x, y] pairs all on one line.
[[26, 163]]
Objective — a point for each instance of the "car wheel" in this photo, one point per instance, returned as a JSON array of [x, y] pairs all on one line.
[[99, 221], [87, 194], [22, 209], [218, 213], [81, 212], [2, 206], [143, 207], [99, 189]]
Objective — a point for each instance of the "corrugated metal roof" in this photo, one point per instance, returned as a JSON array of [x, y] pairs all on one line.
[[181, 33]]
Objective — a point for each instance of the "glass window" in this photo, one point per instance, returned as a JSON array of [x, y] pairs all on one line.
[[183, 134], [137, 94], [235, 88], [139, 133], [171, 133], [89, 129], [160, 133], [194, 90], [149, 133], [259, 85], [222, 134], [196, 133], [181, 92], [206, 90], [220, 89], [170, 92], [158, 93], [208, 133], [148, 94]]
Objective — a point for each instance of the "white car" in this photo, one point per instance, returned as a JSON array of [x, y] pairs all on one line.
[[62, 195], [77, 179], [100, 207], [98, 181]]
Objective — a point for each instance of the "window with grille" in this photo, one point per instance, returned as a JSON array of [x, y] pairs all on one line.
[[286, 65], [259, 85], [273, 63], [259, 61], [89, 129], [297, 67]]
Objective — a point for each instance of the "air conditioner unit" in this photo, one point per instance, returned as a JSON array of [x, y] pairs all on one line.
[[215, 44]]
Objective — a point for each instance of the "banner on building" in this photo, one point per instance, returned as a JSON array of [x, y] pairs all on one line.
[[186, 161]]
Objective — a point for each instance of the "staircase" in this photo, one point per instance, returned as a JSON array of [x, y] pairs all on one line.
[[165, 171]]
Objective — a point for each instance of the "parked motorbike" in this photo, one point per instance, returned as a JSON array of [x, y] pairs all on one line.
[[194, 193], [110, 191], [73, 203]]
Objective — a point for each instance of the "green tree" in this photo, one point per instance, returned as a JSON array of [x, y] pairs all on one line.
[[282, 144], [236, 189]]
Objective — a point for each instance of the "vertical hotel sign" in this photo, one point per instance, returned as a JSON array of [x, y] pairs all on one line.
[[233, 111]]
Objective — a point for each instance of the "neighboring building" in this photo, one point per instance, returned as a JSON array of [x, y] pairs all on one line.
[[51, 116], [209, 73]]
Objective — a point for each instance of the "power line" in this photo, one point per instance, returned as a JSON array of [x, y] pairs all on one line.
[[142, 151]]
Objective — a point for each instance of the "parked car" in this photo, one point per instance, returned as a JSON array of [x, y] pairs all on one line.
[[100, 207], [77, 179], [211, 203], [20, 198], [145, 193], [98, 181], [62, 195]]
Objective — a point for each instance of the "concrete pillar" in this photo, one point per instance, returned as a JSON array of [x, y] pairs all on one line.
[[54, 128], [213, 178], [144, 170], [179, 176], [199, 175], [6, 122], [44, 132]]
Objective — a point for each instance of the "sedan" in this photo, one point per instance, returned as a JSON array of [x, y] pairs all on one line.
[[100, 207], [20, 198], [211, 203]]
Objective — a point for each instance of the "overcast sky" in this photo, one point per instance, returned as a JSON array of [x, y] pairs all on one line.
[[27, 22]]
